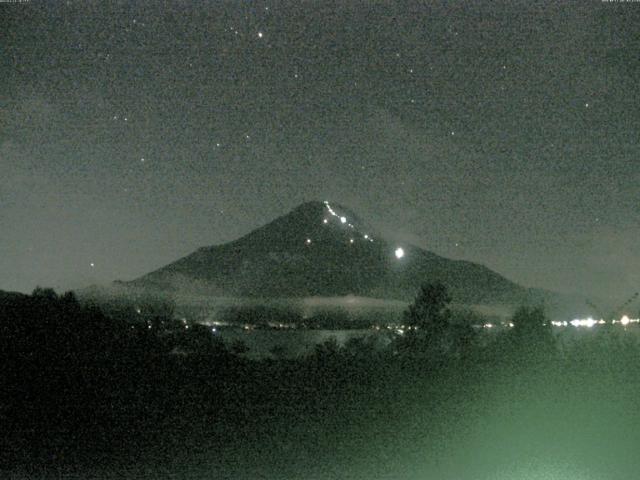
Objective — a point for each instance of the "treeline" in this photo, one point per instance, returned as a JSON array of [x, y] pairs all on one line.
[[48, 328], [80, 382]]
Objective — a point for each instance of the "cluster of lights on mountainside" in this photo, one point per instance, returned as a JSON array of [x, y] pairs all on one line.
[[399, 251]]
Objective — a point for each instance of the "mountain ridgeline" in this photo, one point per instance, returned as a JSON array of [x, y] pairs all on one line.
[[323, 249]]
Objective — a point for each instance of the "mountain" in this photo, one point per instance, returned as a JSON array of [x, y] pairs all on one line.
[[325, 249]]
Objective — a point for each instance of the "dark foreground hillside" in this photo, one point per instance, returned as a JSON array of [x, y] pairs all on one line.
[[127, 408]]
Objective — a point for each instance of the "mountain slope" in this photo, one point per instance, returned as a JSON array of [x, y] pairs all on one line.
[[322, 249]]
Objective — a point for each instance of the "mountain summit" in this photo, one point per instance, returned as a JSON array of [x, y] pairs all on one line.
[[325, 249]]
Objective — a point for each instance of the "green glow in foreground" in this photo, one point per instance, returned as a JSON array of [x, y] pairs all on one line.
[[536, 471]]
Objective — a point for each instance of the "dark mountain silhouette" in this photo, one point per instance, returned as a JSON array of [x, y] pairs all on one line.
[[324, 249]]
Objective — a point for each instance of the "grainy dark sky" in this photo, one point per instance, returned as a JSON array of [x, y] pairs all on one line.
[[505, 133]]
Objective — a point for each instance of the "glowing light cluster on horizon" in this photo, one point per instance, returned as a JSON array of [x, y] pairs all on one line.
[[591, 322], [583, 322], [490, 325]]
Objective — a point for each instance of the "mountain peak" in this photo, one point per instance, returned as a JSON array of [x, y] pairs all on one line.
[[310, 206], [327, 209], [323, 248], [308, 223]]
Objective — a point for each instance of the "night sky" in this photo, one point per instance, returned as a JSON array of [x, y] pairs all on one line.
[[506, 133]]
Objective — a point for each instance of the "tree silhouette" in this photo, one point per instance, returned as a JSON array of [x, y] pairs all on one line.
[[428, 319], [44, 293], [531, 323], [531, 334], [430, 310]]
